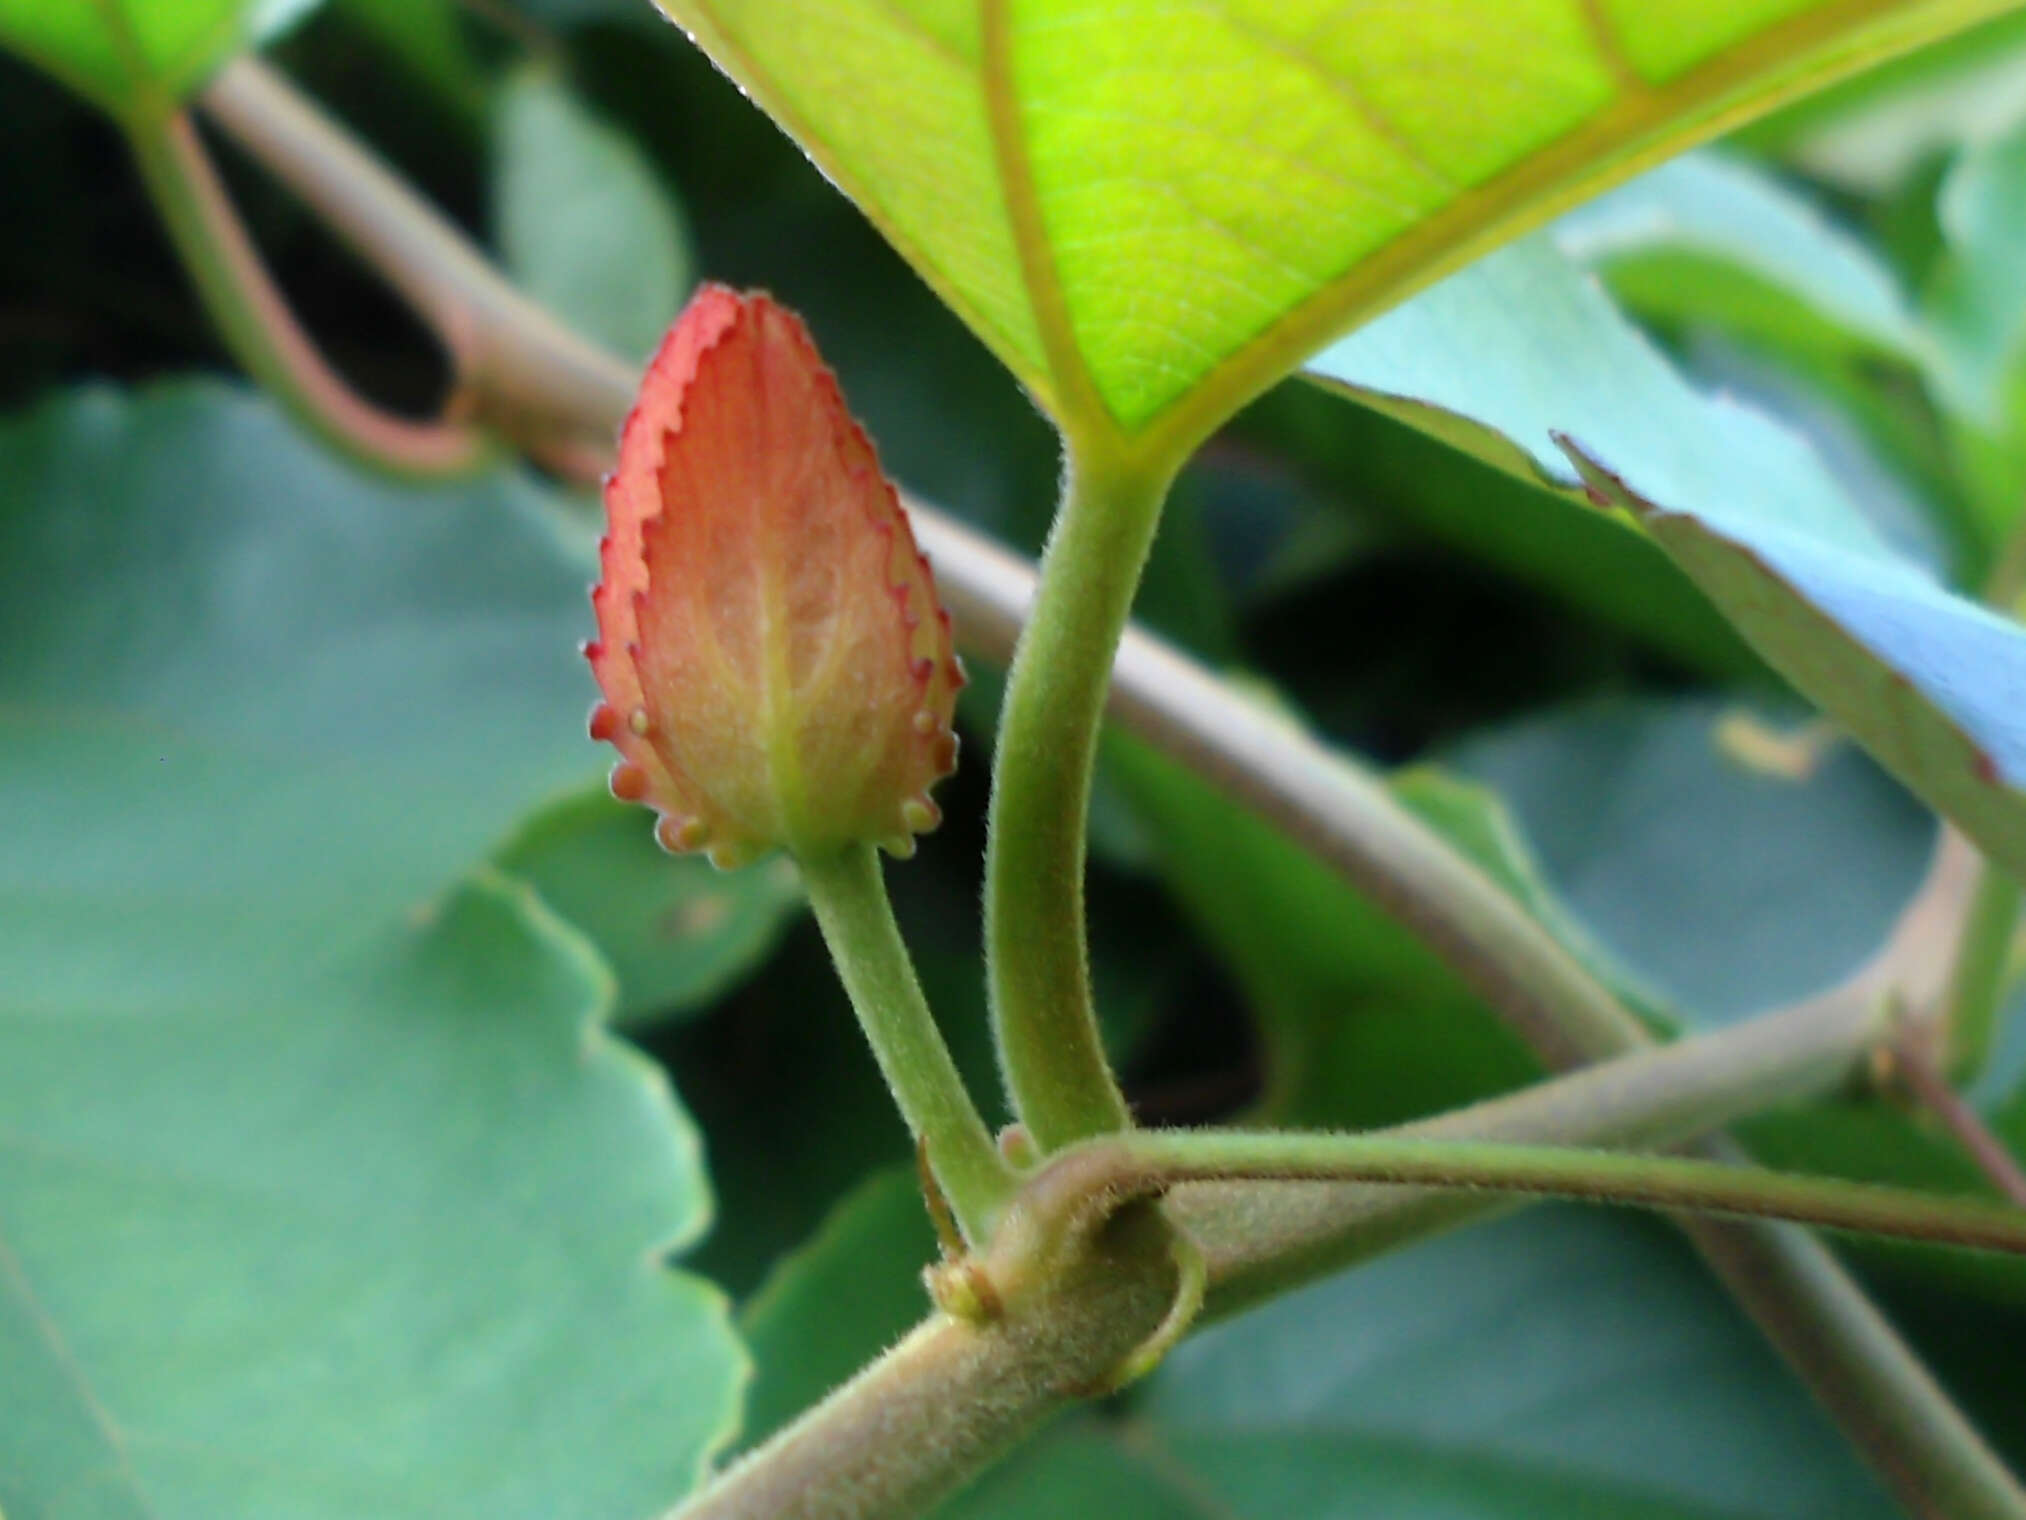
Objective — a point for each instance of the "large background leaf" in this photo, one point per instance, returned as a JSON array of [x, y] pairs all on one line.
[[1595, 1371], [326, 1194], [1125, 198]]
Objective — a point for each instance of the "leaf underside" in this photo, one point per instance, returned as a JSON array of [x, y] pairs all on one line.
[[1151, 211], [1526, 364]]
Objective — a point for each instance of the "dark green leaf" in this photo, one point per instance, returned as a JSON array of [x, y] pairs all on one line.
[[1362, 1024], [428, 38], [328, 1194], [1384, 474]]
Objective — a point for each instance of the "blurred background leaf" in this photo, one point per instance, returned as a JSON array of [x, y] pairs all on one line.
[[676, 932], [584, 225], [1978, 316], [132, 55]]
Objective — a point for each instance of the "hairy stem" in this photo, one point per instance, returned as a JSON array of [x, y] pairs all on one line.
[[1871, 1383], [1262, 1239], [255, 321], [953, 1397], [1037, 958], [849, 897], [964, 1393], [1084, 1184]]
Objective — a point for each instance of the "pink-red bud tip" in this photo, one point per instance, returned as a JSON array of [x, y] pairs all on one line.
[[776, 668]]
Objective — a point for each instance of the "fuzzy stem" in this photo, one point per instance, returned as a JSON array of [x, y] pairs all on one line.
[[1084, 1184], [849, 896], [962, 1394], [254, 319], [953, 1397], [1872, 1384], [1039, 962]]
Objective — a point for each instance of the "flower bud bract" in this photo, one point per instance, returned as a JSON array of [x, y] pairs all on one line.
[[776, 668]]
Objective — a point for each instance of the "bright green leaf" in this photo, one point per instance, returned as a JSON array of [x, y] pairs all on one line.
[[677, 932], [1551, 1365], [134, 55], [1136, 205], [584, 224], [1520, 354], [327, 1194]]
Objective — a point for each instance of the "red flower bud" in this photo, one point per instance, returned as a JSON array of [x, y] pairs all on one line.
[[777, 670]]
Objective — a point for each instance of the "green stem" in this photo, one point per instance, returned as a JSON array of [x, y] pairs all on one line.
[[1976, 987], [851, 905], [1082, 1186], [1039, 962], [254, 318]]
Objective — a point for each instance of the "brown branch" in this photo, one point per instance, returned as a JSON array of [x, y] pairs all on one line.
[[1914, 1069], [256, 322]]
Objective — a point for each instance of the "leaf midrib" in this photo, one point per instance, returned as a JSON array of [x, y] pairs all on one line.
[[1642, 123], [65, 1360]]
